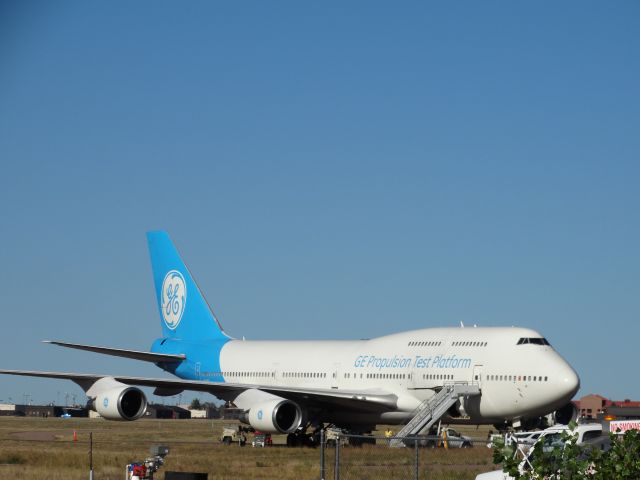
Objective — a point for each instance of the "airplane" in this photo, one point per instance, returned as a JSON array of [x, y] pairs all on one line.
[[290, 386]]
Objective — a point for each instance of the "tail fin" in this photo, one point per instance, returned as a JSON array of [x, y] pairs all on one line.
[[184, 312]]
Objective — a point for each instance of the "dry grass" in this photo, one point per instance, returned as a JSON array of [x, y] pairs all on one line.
[[33, 448]]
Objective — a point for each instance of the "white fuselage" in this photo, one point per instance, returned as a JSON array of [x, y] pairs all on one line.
[[516, 378]]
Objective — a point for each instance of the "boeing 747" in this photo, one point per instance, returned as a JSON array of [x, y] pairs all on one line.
[[472, 375]]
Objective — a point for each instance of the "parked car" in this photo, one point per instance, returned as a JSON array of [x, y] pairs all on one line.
[[455, 439], [525, 440]]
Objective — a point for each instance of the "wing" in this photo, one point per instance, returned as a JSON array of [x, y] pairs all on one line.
[[356, 400]]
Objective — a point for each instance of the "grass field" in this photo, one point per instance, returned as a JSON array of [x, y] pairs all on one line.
[[34, 448]]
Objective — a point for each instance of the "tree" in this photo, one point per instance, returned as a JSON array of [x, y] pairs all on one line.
[[195, 404], [622, 461]]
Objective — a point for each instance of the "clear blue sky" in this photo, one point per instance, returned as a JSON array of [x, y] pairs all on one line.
[[328, 170]]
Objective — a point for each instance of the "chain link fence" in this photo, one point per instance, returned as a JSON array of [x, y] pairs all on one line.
[[363, 457]]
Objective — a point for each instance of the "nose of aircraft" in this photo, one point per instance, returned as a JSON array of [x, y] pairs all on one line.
[[567, 381]]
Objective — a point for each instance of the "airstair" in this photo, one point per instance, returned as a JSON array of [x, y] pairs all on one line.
[[432, 409]]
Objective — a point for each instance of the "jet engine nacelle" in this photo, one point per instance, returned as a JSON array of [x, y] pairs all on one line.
[[563, 416], [465, 406], [116, 401], [567, 414], [275, 416]]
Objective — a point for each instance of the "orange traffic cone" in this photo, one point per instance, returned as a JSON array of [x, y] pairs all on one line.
[[75, 436]]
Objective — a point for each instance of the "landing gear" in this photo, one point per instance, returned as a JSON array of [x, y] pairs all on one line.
[[362, 440], [301, 438], [294, 440]]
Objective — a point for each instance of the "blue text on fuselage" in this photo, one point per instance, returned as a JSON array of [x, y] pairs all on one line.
[[419, 361]]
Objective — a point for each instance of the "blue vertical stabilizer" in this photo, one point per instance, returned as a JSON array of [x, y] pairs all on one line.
[[184, 312]]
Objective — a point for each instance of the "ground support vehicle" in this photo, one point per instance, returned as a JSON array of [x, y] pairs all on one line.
[[261, 440], [233, 434], [334, 435]]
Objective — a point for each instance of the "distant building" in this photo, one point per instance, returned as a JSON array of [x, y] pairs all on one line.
[[232, 413], [42, 411], [596, 406], [622, 413], [166, 411], [207, 411], [9, 410], [591, 405]]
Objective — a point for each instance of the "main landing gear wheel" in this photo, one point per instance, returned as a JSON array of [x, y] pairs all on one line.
[[300, 439]]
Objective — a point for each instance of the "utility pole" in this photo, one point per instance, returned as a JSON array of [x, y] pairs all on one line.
[[90, 455]]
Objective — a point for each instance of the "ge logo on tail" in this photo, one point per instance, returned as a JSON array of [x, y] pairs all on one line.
[[174, 298]]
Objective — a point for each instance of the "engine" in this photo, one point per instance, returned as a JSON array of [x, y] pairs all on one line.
[[563, 416], [465, 406], [566, 414], [116, 401], [275, 416]]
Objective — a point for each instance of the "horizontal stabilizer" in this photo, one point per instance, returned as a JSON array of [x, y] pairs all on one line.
[[118, 352]]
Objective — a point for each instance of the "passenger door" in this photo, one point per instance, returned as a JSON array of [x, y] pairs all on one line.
[[477, 375]]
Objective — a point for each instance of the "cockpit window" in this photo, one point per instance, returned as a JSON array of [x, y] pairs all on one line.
[[534, 341]]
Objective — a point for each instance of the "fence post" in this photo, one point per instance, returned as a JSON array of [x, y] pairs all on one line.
[[336, 471], [417, 459], [322, 442]]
